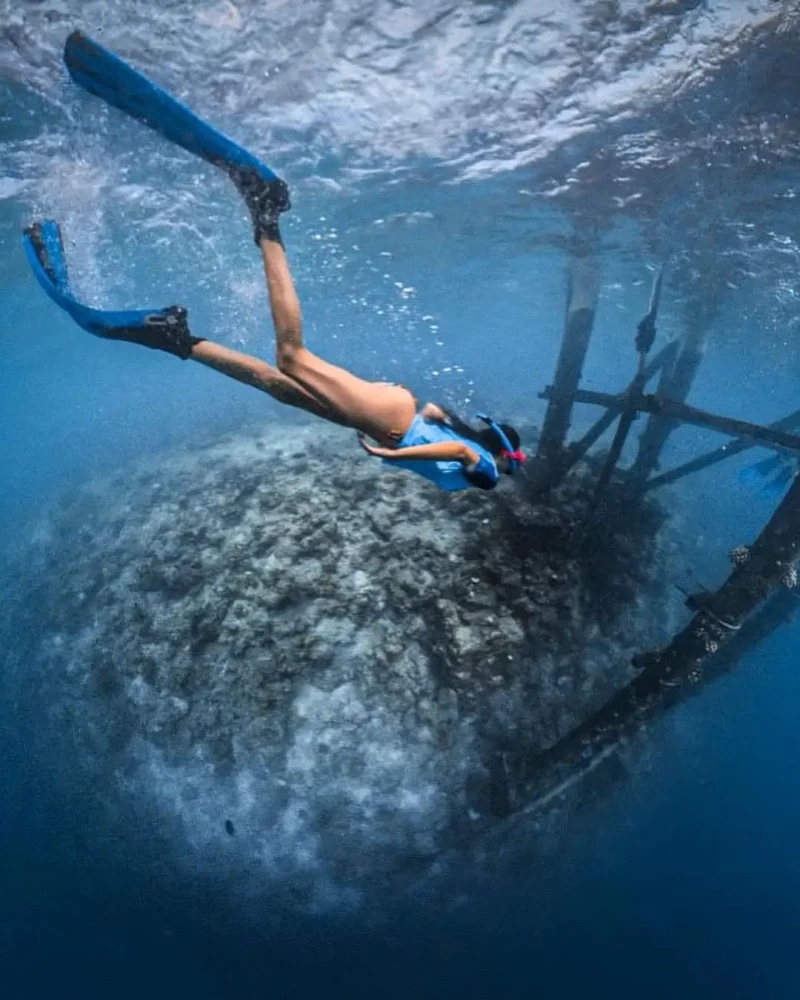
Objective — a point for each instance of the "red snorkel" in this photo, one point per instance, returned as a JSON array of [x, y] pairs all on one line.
[[515, 456]]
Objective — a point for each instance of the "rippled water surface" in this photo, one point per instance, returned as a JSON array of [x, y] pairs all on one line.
[[664, 131]]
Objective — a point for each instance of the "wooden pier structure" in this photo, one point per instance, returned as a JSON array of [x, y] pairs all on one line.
[[759, 595]]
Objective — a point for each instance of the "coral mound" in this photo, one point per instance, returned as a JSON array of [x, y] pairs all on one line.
[[316, 658]]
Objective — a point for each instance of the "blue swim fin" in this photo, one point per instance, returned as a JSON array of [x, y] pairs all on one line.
[[110, 78], [161, 329], [754, 474], [777, 487]]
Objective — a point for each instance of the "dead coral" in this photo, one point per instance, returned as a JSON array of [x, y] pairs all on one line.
[[335, 653]]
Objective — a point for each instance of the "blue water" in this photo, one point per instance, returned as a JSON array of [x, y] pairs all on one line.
[[428, 267], [687, 883]]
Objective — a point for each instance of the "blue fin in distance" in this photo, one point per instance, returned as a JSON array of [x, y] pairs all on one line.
[[777, 487], [752, 475]]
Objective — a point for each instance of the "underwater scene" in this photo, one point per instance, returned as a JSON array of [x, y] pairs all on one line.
[[399, 510]]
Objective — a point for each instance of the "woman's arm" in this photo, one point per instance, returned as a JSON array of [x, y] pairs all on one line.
[[444, 451]]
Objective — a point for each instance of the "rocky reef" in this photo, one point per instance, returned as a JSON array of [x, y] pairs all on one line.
[[317, 663]]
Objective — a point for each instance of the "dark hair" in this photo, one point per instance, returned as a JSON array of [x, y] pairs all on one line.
[[491, 440], [485, 436]]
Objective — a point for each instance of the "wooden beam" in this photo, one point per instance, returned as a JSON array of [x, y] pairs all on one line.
[[714, 640], [718, 455], [683, 413], [579, 448]]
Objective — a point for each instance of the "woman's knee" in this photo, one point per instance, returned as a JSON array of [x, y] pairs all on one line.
[[287, 358], [288, 349]]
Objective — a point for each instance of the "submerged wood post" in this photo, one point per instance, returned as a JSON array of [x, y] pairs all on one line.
[[776, 612], [576, 451], [723, 626], [582, 294], [759, 570], [645, 335], [674, 384]]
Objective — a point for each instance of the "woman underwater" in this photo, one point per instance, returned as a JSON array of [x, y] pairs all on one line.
[[432, 442]]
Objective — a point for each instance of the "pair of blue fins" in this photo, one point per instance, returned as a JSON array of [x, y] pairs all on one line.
[[110, 78]]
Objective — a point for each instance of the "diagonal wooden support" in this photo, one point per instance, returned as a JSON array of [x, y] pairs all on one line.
[[760, 569], [722, 632], [664, 358], [675, 384], [646, 334], [718, 455]]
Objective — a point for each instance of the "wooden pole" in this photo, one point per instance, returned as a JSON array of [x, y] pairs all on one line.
[[579, 448], [670, 675], [675, 383], [646, 334], [582, 295], [759, 570], [776, 612]]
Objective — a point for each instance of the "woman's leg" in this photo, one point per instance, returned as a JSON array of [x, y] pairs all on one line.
[[380, 409], [263, 376]]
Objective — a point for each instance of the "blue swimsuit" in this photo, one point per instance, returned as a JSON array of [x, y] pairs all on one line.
[[447, 475]]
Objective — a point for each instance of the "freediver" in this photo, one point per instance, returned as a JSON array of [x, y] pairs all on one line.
[[430, 441]]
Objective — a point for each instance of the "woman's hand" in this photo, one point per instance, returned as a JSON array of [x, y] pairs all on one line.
[[442, 451], [374, 449]]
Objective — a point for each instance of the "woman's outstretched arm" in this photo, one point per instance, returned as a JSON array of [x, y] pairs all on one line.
[[441, 451]]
